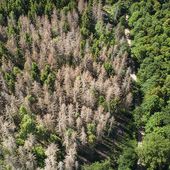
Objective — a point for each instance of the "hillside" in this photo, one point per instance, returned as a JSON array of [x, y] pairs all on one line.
[[84, 84]]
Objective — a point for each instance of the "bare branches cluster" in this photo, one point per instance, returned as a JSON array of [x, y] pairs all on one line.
[[79, 109]]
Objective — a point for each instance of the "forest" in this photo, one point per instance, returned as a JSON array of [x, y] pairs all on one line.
[[84, 85]]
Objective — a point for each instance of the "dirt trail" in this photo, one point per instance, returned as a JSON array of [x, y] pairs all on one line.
[[127, 33], [134, 78], [127, 36]]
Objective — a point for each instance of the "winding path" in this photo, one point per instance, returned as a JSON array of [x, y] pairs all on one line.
[[127, 33], [134, 78]]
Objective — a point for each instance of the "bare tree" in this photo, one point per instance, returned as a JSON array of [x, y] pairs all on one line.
[[29, 143], [51, 160], [83, 136], [60, 165], [81, 5], [70, 159]]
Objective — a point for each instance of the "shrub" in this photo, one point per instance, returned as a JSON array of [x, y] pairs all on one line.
[[104, 165]]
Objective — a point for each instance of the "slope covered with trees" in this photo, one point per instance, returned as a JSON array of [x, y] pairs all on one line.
[[150, 31], [67, 99]]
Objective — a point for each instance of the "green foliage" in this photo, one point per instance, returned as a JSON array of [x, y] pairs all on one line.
[[40, 155], [22, 111], [82, 46], [27, 126], [32, 99], [159, 119], [54, 138], [128, 158], [91, 128], [32, 8], [103, 36], [101, 100], [69, 132], [116, 11], [50, 80], [11, 28], [19, 58], [48, 77], [66, 27], [41, 132], [149, 31], [3, 49], [10, 80], [87, 23], [84, 31], [152, 103], [1, 19], [104, 165], [48, 9], [109, 68], [151, 52], [20, 141], [35, 72], [16, 71], [166, 87], [95, 48], [91, 132], [114, 104], [91, 138], [45, 73], [99, 28], [154, 151], [44, 134], [28, 39]]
